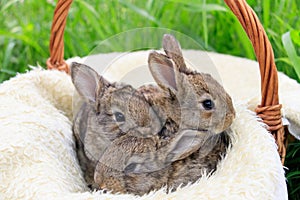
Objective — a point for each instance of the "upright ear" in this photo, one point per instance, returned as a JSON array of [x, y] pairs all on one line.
[[162, 71], [183, 145], [88, 83], [173, 50]]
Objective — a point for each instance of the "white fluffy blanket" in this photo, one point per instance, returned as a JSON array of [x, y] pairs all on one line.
[[38, 160]]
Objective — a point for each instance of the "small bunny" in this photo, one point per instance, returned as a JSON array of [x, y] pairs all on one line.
[[193, 100], [187, 102], [109, 111]]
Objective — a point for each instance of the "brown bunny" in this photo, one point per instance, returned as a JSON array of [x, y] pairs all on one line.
[[187, 102], [193, 100], [109, 111]]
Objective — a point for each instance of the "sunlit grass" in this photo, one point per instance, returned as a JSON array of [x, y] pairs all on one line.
[[25, 27], [24, 33]]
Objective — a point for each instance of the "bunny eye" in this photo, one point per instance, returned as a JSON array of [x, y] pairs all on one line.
[[208, 104], [119, 117]]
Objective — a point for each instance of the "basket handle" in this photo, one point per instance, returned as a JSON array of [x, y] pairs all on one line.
[[268, 110], [56, 60]]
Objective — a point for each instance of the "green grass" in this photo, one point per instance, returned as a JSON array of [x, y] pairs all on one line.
[[24, 34], [25, 27]]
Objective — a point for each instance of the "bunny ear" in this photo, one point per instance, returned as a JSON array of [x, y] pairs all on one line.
[[183, 145], [87, 81], [162, 71], [186, 143], [173, 50]]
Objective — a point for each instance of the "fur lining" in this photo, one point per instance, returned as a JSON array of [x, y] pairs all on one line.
[[38, 160]]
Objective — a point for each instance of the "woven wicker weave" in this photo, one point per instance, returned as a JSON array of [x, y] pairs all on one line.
[[268, 110]]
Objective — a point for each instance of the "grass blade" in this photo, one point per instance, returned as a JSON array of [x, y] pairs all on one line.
[[9, 72], [291, 52], [140, 11], [27, 40], [8, 53], [266, 12], [205, 7]]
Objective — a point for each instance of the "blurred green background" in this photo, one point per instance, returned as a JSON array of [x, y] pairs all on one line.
[[25, 27]]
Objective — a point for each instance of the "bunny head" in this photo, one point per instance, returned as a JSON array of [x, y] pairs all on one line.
[[109, 111], [204, 104]]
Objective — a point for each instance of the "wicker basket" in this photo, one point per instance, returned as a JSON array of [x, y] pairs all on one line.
[[269, 110], [38, 157]]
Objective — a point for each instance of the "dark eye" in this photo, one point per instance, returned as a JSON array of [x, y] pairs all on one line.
[[208, 104], [119, 117]]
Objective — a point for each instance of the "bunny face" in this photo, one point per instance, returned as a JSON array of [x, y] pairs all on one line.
[[202, 102], [211, 104], [109, 111]]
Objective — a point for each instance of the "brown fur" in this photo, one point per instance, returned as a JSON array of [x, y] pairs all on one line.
[[171, 159], [95, 126], [131, 151]]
